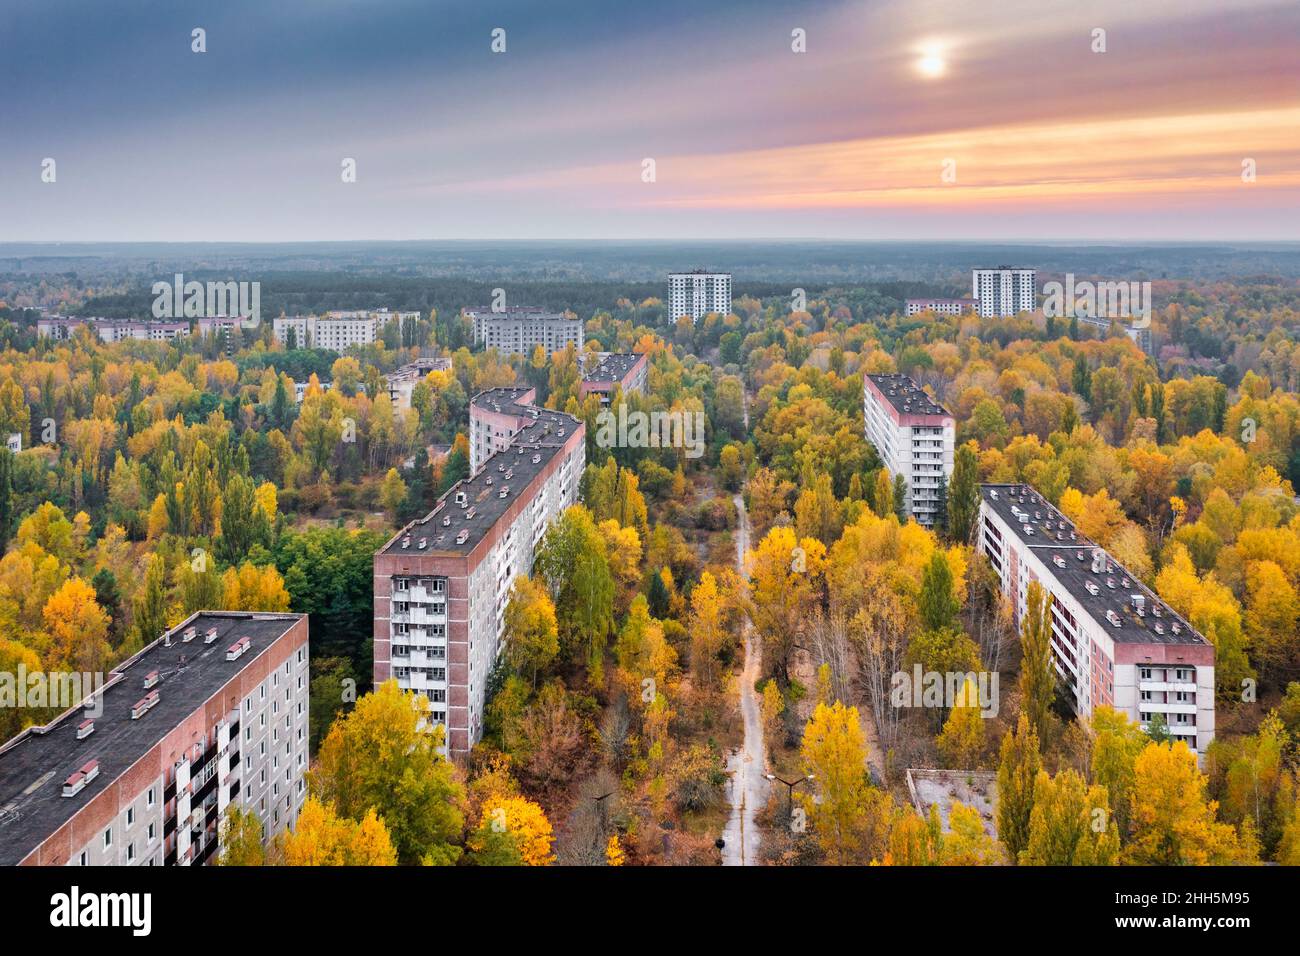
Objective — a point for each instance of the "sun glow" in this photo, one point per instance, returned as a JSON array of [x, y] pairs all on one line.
[[932, 64]]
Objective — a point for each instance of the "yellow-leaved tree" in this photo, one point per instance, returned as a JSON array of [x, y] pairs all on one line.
[[321, 837], [513, 831]]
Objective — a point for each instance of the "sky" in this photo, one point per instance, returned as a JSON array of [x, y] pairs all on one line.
[[901, 119]]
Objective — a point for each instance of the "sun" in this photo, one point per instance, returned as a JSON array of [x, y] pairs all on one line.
[[932, 64]]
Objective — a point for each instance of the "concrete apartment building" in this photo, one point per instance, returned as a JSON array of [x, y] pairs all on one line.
[[518, 330], [337, 330], [939, 306], [1114, 642], [214, 712], [914, 436], [611, 370], [61, 329], [1004, 291], [442, 583], [402, 381], [698, 294]]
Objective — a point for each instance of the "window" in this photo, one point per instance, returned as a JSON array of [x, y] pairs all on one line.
[[130, 851], [108, 838], [149, 800], [81, 861], [130, 816], [153, 830]]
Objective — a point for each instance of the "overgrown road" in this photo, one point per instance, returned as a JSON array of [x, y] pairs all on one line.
[[747, 767]]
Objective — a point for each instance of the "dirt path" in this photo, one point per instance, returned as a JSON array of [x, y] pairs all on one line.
[[747, 790]]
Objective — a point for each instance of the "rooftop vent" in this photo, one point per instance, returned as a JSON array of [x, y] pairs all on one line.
[[150, 679], [462, 499], [1160, 627], [422, 544], [503, 493], [1098, 561], [446, 521], [85, 729], [469, 514], [537, 459], [188, 635], [148, 701], [237, 649], [1110, 583], [1113, 618], [1058, 560], [462, 536], [1176, 627], [211, 636], [77, 782], [1092, 588], [406, 542]]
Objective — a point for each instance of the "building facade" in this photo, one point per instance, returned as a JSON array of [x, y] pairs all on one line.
[[518, 330], [401, 382], [613, 370], [212, 713], [337, 331], [698, 294], [939, 306], [443, 581], [914, 436], [1004, 291], [1114, 642], [61, 329]]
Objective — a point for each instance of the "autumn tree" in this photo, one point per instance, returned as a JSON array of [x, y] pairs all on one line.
[[1070, 824], [849, 816], [241, 838], [708, 631], [1018, 767], [321, 837], [1037, 674], [512, 831], [78, 629], [572, 562], [963, 494], [532, 639], [383, 755], [962, 740], [785, 577], [1173, 822]]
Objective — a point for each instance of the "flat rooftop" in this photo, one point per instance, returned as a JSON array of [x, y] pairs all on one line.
[[519, 313], [1050, 534], [906, 396], [34, 765], [943, 788], [612, 367], [542, 437]]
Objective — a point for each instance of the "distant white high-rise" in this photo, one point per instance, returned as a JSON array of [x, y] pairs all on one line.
[[698, 293], [1003, 291]]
